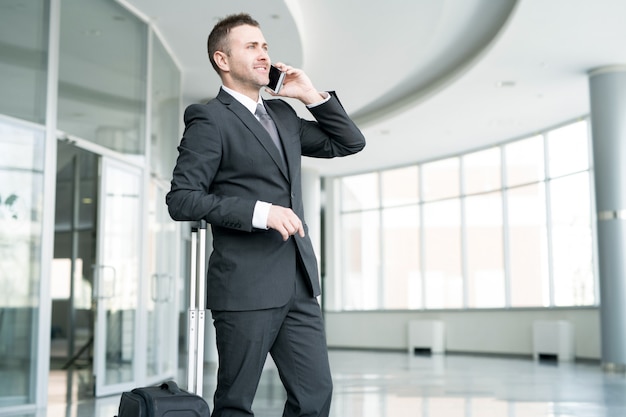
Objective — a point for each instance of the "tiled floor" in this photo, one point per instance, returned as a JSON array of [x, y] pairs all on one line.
[[395, 384]]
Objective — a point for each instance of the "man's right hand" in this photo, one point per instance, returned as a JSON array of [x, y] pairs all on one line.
[[284, 221]]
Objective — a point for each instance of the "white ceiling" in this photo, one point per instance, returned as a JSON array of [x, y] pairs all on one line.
[[419, 77]]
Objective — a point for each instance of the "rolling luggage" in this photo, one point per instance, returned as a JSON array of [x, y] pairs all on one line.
[[167, 399]]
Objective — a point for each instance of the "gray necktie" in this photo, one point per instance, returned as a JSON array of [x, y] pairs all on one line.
[[269, 125]]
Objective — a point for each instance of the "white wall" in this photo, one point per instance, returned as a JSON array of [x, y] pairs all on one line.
[[469, 331]]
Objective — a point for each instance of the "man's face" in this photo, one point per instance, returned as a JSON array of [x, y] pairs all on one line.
[[248, 61]]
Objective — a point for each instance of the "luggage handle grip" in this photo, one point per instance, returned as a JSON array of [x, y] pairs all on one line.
[[171, 386]]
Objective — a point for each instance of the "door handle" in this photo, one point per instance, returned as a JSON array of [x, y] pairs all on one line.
[[104, 288]]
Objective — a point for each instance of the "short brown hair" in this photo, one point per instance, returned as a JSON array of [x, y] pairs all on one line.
[[218, 38]]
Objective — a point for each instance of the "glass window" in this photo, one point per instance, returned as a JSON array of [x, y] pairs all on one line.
[[166, 91], [524, 161], [441, 179], [568, 149], [102, 82], [505, 258], [21, 194], [528, 246], [24, 59], [481, 171], [485, 264], [400, 186], [360, 237], [572, 241], [442, 248], [402, 284], [360, 192]]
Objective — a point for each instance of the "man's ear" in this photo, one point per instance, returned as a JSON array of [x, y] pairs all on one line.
[[221, 59]]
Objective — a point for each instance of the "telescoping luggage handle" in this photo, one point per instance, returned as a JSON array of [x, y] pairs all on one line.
[[197, 307]]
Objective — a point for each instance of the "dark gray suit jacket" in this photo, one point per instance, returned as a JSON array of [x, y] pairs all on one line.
[[227, 161]]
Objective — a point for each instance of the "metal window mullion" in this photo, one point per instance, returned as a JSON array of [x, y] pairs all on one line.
[[75, 232], [463, 231], [422, 237], [506, 234], [381, 249], [141, 319], [341, 248], [41, 350], [548, 195]]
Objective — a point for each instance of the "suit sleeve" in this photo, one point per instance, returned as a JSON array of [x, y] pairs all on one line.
[[191, 196], [333, 134]]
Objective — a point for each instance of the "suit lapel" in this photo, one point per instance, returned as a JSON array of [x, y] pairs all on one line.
[[256, 128]]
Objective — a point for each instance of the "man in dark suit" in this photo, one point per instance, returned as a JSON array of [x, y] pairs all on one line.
[[262, 280]]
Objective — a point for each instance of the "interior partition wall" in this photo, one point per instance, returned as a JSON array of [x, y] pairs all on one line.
[[21, 229], [23, 82], [98, 78]]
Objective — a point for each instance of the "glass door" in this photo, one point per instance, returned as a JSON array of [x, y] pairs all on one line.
[[117, 277], [162, 316], [21, 231]]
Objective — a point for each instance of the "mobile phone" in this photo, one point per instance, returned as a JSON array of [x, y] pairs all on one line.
[[276, 79]]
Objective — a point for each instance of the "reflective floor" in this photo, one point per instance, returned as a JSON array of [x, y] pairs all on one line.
[[395, 384]]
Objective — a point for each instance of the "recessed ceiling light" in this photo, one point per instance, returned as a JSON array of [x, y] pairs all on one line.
[[505, 84]]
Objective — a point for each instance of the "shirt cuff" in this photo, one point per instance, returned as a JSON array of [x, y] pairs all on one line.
[[259, 216], [326, 98]]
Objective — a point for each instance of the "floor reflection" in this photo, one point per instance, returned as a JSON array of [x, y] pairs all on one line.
[[395, 384]]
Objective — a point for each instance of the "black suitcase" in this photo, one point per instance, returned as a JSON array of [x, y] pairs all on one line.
[[165, 400]]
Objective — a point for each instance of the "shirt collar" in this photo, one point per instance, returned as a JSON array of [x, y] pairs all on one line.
[[247, 102]]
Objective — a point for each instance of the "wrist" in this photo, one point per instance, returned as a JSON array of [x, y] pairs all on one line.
[[312, 97]]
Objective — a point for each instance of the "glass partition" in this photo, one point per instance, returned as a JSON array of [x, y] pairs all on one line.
[[117, 277], [572, 260], [402, 286], [399, 187], [166, 102], [528, 246], [442, 254], [21, 194], [400, 217], [102, 82], [485, 280], [507, 226], [360, 192], [23, 59], [441, 179], [524, 161], [162, 315], [568, 149], [482, 171], [360, 234]]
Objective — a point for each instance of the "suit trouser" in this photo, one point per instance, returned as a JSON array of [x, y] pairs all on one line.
[[294, 336]]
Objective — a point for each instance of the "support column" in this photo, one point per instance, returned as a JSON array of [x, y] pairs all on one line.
[[608, 122]]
